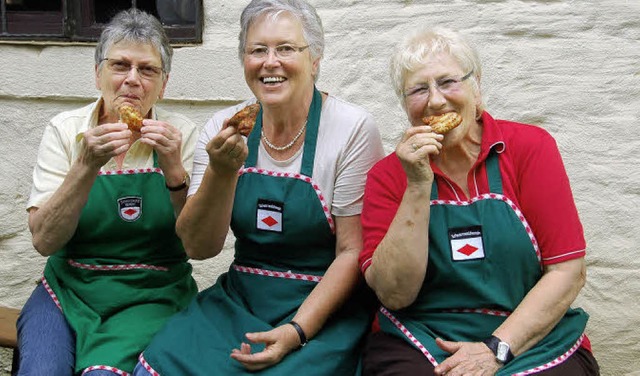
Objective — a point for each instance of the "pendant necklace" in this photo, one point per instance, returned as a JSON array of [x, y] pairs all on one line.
[[285, 147]]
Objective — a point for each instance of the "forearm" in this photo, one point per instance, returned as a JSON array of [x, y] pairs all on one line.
[[175, 179], [544, 306], [330, 294], [55, 222], [399, 262], [204, 221]]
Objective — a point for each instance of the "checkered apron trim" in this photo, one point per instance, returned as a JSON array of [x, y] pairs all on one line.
[[483, 311], [316, 187], [132, 171], [51, 293], [277, 274], [555, 362], [147, 366], [106, 368], [408, 334], [514, 207], [116, 267]]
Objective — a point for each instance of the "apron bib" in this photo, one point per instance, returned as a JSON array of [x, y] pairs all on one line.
[[284, 243], [483, 259], [124, 271]]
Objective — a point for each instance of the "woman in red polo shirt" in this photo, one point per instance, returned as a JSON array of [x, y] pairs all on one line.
[[472, 240]]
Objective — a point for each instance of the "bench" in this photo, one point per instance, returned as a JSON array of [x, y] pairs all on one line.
[[8, 333]]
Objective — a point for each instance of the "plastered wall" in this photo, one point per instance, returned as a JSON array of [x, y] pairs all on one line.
[[571, 67]]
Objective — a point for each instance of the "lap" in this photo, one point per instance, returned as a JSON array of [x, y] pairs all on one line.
[[46, 343], [387, 355]]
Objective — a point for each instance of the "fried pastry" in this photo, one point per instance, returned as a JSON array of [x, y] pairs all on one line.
[[245, 119], [443, 123], [131, 116]]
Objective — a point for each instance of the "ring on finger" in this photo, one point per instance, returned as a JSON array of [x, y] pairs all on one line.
[[415, 147]]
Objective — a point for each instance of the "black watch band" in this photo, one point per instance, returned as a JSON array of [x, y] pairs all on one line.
[[303, 337], [500, 349], [183, 185]]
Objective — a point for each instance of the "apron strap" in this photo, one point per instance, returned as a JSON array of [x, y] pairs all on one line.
[[155, 159], [310, 139], [493, 172], [493, 176]]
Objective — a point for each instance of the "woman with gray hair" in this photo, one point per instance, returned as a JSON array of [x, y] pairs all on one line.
[[292, 195], [103, 207], [472, 240]]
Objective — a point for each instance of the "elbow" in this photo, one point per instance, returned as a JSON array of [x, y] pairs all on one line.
[[395, 302], [391, 294], [42, 246]]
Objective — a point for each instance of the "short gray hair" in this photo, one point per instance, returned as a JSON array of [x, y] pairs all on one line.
[[412, 52], [312, 30], [137, 26]]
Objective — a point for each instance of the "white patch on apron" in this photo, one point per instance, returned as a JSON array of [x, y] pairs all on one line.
[[269, 215], [466, 243], [130, 208]]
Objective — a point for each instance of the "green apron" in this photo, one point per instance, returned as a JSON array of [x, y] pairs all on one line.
[[483, 259], [284, 243], [124, 271]]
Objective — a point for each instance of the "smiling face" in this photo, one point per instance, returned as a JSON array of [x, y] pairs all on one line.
[[140, 92], [273, 80], [461, 98]]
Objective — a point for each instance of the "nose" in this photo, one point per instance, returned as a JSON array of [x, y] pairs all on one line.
[[436, 98], [133, 75], [271, 58]]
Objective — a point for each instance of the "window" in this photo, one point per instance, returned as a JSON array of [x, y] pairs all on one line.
[[83, 20]]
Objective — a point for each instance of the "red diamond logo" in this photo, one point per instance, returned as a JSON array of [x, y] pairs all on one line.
[[130, 212], [467, 250], [269, 221]]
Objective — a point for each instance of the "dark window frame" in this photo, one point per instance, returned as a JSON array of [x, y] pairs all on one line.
[[76, 23]]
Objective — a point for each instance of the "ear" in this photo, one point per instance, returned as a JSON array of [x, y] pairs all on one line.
[[97, 76], [164, 86], [315, 66]]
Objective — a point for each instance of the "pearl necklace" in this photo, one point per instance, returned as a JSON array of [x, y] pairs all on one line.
[[287, 146]]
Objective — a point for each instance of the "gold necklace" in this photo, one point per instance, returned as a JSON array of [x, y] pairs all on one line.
[[285, 147]]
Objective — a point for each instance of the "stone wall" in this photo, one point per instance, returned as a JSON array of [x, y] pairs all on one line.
[[571, 67]]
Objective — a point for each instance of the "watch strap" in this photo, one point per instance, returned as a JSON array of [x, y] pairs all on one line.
[[183, 185], [494, 343]]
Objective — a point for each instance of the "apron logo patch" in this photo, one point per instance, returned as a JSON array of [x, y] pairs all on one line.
[[269, 215], [466, 243], [130, 208]]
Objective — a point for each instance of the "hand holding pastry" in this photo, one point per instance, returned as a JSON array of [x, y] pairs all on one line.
[[244, 120]]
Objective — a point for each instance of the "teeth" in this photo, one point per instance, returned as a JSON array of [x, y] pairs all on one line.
[[268, 80]]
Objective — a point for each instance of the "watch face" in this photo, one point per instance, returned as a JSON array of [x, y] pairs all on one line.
[[503, 350]]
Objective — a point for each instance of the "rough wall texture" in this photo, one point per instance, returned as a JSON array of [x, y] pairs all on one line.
[[568, 66]]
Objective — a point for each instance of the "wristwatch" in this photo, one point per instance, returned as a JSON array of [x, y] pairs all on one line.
[[501, 349], [183, 185]]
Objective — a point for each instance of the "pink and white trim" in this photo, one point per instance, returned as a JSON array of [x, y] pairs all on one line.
[[554, 362], [316, 187], [407, 333], [132, 171], [116, 267], [514, 207], [147, 366], [277, 274], [482, 311], [52, 294], [106, 368]]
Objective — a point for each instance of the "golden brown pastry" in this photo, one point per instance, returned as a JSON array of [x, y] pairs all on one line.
[[130, 116], [245, 119], [443, 123]]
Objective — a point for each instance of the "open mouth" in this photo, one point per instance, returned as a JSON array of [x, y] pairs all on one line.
[[272, 80]]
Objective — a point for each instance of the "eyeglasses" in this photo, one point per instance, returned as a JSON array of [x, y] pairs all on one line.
[[446, 86], [121, 67], [282, 52]]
